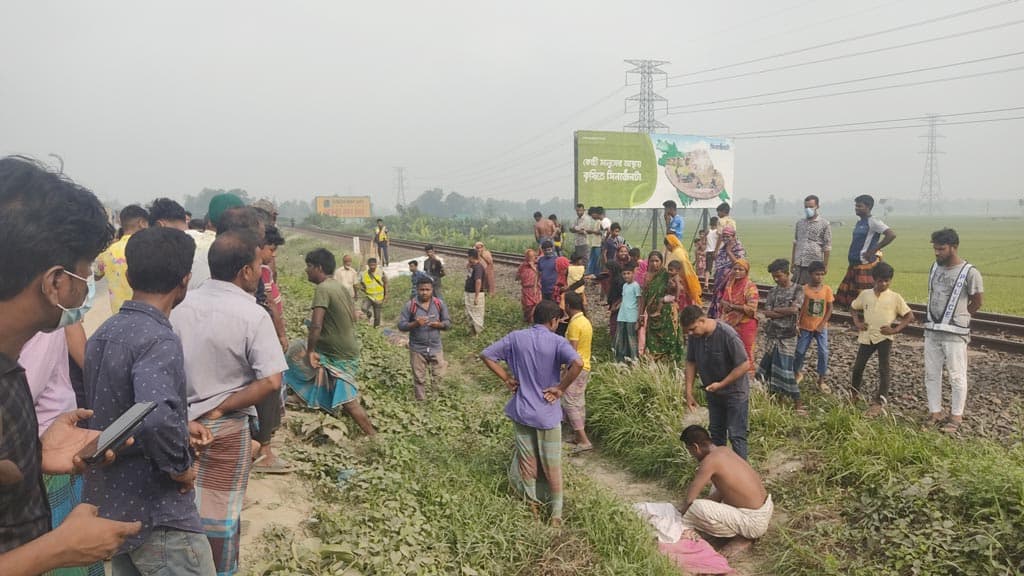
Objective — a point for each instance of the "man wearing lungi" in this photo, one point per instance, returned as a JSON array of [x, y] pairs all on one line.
[[233, 359], [869, 236], [781, 309], [737, 507], [535, 357]]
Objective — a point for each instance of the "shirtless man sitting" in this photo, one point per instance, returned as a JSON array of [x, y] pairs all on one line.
[[737, 507]]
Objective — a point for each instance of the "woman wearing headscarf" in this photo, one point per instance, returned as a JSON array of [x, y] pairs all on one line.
[[658, 316], [529, 280], [737, 303], [487, 259], [688, 278], [731, 251]]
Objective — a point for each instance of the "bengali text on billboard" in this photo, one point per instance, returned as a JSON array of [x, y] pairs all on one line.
[[619, 170], [344, 206]]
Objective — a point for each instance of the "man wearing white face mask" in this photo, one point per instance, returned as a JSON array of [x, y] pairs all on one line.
[[46, 259], [812, 241]]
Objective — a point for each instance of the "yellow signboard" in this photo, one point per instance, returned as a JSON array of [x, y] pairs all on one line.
[[344, 206]]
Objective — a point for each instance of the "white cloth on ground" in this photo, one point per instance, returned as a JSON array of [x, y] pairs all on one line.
[[665, 518]]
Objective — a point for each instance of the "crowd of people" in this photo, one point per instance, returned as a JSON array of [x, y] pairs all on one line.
[[197, 329]]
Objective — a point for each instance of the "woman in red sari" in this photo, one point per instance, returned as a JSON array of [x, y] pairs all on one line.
[[738, 306], [529, 279]]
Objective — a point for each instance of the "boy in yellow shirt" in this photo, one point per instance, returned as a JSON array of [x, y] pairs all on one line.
[[879, 314]]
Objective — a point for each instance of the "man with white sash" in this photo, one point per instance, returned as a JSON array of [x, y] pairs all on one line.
[[954, 295]]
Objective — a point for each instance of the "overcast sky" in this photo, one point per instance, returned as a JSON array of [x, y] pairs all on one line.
[[295, 99]]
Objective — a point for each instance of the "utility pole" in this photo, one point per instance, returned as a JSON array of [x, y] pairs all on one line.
[[931, 187], [400, 186], [646, 122]]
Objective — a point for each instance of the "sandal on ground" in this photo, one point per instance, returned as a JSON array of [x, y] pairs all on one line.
[[824, 388], [874, 411], [581, 449], [276, 466], [801, 411], [950, 426]]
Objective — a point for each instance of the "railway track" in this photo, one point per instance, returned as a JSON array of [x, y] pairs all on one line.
[[989, 331]]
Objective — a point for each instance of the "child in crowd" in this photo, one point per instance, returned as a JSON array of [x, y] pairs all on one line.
[[612, 277], [577, 269], [640, 272], [626, 348], [781, 310], [875, 311], [709, 251], [700, 250], [813, 325]]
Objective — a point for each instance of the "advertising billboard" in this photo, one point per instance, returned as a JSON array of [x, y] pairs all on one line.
[[620, 170], [344, 206]]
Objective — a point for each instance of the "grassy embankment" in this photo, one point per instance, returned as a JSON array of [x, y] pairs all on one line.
[[430, 495], [854, 496]]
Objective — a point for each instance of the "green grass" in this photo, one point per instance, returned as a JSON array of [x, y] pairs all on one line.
[[868, 497], [430, 494]]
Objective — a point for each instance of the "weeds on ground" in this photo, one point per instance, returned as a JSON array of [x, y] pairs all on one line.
[[868, 497], [429, 494]]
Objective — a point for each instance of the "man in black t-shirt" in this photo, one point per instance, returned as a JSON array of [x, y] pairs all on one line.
[[476, 287], [716, 353]]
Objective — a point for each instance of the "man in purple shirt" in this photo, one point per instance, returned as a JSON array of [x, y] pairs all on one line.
[[136, 357], [535, 357]]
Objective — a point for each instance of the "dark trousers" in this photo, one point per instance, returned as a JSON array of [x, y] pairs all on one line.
[[728, 419], [864, 353], [269, 412], [382, 254], [374, 308]]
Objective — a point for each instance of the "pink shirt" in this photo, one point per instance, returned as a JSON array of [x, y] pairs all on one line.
[[45, 360]]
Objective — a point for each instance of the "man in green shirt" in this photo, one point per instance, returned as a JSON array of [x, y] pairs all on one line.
[[322, 370]]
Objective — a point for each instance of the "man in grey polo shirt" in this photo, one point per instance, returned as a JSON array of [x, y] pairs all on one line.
[[232, 361], [715, 351]]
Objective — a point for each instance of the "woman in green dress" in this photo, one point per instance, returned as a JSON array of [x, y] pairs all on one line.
[[659, 314]]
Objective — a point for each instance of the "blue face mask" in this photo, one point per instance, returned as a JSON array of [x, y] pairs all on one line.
[[810, 212], [75, 315]]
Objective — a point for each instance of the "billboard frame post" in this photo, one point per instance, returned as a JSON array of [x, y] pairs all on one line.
[[654, 229], [702, 223]]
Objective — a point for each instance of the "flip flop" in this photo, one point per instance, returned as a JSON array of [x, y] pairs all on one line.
[[581, 449], [276, 466], [950, 427]]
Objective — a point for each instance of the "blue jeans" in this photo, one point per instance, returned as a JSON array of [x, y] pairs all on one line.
[[594, 265], [803, 344], [167, 552], [729, 419]]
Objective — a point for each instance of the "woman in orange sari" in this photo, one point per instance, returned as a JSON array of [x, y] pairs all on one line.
[[737, 304], [529, 279]]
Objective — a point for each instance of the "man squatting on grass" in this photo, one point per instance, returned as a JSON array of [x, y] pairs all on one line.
[[715, 351], [535, 357], [737, 507]]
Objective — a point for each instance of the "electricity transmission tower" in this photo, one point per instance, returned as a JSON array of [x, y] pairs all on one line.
[[646, 123], [931, 187], [646, 99], [400, 186]]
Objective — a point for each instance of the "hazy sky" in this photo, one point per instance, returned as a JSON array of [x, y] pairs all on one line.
[[295, 99]]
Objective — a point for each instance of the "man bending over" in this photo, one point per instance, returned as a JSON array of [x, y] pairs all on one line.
[[737, 507]]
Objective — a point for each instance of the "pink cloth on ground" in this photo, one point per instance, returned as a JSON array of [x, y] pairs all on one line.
[[696, 556]]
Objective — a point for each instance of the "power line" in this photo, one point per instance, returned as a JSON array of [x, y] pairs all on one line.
[[869, 122], [858, 91], [852, 81], [567, 120], [849, 55], [849, 39], [881, 128]]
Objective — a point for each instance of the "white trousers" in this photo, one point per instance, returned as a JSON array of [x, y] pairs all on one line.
[[726, 521], [947, 350]]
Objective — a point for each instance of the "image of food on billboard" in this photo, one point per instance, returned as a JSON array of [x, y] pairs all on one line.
[[619, 170]]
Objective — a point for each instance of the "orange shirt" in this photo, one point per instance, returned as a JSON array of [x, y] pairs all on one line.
[[812, 313]]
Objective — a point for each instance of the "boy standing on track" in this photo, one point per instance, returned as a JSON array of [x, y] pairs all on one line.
[[874, 312], [814, 317], [382, 241], [954, 295]]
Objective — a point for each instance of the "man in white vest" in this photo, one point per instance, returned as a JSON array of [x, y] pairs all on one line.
[[954, 295]]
